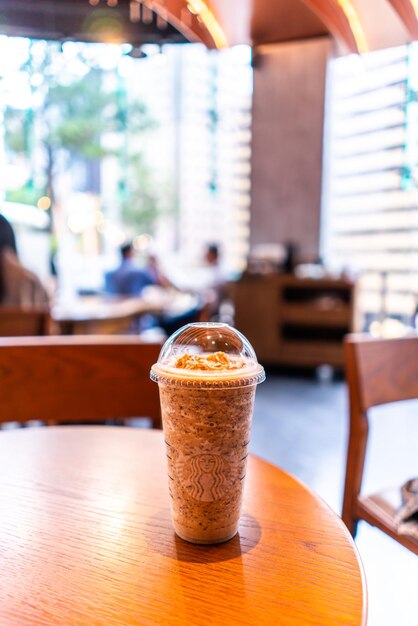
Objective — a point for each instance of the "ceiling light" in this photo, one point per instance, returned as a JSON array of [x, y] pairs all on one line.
[[137, 53]]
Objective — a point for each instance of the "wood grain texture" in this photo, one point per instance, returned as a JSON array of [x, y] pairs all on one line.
[[18, 322], [387, 369], [379, 371], [67, 379], [86, 538]]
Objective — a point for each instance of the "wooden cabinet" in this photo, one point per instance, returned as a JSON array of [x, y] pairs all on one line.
[[295, 321]]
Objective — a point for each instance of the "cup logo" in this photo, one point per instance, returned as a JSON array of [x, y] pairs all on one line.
[[206, 477]]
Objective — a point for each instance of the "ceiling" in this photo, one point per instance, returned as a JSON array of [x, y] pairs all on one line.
[[79, 20], [357, 25], [267, 21]]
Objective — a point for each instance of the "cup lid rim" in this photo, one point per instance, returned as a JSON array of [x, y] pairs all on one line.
[[214, 378]]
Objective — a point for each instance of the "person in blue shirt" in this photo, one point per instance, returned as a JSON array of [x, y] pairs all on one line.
[[128, 279]]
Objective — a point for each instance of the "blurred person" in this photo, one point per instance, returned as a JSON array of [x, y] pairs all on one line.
[[18, 286], [128, 279], [212, 254], [213, 280], [154, 270], [215, 272], [169, 322], [206, 280]]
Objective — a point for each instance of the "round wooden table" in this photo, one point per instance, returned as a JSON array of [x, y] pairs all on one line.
[[111, 314], [98, 314], [86, 538]]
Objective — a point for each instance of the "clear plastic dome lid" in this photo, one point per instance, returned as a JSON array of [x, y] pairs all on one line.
[[207, 355]]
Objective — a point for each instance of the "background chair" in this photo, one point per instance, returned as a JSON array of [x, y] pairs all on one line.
[[17, 322], [76, 379], [379, 371]]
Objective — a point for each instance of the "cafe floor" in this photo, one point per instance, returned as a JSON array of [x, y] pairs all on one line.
[[300, 424]]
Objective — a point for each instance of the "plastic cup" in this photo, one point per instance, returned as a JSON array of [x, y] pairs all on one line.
[[207, 376]]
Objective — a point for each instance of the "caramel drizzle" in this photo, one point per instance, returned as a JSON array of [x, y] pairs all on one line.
[[215, 361]]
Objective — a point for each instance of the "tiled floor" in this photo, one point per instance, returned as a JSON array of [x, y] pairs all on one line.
[[300, 424]]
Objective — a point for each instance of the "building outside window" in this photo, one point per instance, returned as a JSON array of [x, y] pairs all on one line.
[[370, 211], [180, 180]]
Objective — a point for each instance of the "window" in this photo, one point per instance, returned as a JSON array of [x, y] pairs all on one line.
[[370, 185]]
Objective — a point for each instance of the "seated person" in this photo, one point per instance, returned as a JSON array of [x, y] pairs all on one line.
[[215, 281], [19, 287], [128, 279], [209, 280]]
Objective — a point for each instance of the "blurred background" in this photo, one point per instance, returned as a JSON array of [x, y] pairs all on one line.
[[175, 145], [283, 134]]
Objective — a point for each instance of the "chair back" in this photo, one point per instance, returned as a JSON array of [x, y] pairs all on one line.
[[77, 379], [381, 370], [378, 371], [18, 322]]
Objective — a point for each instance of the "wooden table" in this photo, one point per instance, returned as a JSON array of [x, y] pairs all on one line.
[[98, 314], [112, 314], [85, 538]]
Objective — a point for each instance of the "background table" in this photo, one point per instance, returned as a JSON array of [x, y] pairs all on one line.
[[85, 538], [99, 314], [113, 314]]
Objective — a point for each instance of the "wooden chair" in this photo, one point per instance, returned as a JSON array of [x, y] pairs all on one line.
[[18, 322], [379, 371], [76, 379]]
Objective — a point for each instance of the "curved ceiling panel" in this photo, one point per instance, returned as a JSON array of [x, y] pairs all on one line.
[[408, 12], [266, 21], [195, 19], [343, 22], [357, 25], [386, 30]]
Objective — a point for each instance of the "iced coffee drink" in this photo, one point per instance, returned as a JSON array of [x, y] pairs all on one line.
[[207, 376]]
